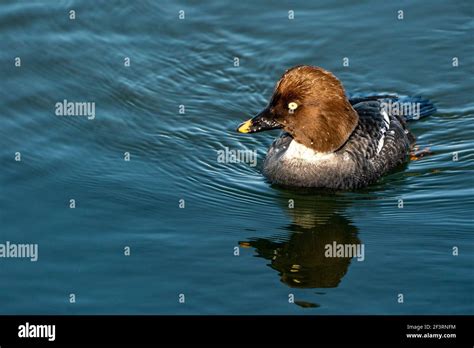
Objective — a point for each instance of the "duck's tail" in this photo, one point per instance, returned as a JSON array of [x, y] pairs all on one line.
[[411, 108]]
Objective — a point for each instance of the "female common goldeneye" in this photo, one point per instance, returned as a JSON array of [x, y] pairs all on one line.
[[329, 140]]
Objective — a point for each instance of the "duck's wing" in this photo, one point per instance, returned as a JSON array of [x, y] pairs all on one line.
[[410, 108], [379, 136]]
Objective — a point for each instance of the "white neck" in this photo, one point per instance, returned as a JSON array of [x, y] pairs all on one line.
[[301, 152]]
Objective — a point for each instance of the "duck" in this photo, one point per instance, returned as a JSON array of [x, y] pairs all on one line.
[[330, 139]]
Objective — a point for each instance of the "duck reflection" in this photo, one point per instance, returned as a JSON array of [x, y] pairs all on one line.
[[302, 259]]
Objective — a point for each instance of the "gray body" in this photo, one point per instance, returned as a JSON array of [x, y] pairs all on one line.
[[379, 143]]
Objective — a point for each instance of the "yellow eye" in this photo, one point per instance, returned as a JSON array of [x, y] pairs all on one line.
[[292, 106]]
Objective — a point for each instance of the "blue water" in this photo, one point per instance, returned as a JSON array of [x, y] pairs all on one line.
[[190, 250]]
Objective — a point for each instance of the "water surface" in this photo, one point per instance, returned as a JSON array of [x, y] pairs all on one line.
[[190, 251]]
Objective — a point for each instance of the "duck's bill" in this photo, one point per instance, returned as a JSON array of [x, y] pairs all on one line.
[[262, 122]]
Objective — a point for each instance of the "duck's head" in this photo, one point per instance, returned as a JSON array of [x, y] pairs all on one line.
[[311, 105]]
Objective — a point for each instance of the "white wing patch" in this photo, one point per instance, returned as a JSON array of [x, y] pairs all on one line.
[[386, 119], [380, 144], [383, 130]]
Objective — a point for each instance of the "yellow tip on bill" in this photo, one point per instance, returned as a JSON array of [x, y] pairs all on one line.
[[245, 127]]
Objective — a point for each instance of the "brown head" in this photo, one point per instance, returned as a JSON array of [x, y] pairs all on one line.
[[310, 104]]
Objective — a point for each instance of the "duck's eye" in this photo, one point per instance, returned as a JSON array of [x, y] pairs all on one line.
[[292, 106]]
